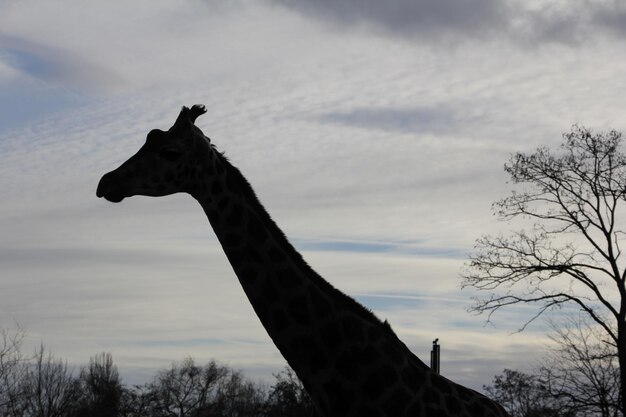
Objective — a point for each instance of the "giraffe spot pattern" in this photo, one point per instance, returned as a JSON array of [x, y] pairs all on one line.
[[235, 216], [477, 409], [280, 319], [454, 406], [432, 411], [415, 410], [440, 384], [256, 229], [231, 183], [431, 396], [321, 305], [219, 168], [252, 255], [392, 352], [383, 376], [268, 290], [298, 308], [368, 412], [287, 278], [412, 378], [396, 403], [341, 398], [374, 334], [304, 349], [318, 359], [330, 334], [357, 356], [347, 365], [223, 203], [216, 188], [276, 255], [352, 329]]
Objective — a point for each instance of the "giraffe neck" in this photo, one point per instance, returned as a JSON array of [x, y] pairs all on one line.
[[305, 316], [350, 362]]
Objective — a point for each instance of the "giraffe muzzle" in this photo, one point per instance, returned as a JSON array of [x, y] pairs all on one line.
[[109, 189]]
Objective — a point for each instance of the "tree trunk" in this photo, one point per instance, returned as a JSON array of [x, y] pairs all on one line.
[[621, 354]]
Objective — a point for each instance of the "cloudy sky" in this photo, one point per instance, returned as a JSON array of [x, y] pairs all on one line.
[[375, 136]]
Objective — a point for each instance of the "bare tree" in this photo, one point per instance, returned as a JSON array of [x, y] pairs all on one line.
[[572, 253], [136, 401], [288, 398], [48, 389], [236, 397], [523, 395], [185, 388], [11, 368], [101, 387], [582, 371]]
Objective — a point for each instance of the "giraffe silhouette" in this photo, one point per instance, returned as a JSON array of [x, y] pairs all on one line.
[[350, 362]]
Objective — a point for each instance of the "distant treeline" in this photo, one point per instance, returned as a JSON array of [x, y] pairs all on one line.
[[42, 385], [576, 380]]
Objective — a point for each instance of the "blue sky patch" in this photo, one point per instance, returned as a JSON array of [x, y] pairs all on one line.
[[346, 246], [400, 247], [27, 101], [29, 63]]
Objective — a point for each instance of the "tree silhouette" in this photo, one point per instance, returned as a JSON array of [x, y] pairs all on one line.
[[522, 395], [572, 253], [101, 387], [11, 369], [48, 388], [186, 388], [288, 398], [581, 371]]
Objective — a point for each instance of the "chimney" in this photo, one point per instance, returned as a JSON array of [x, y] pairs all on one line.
[[434, 357]]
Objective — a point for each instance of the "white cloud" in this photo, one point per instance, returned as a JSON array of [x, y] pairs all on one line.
[[423, 18], [150, 45], [529, 23]]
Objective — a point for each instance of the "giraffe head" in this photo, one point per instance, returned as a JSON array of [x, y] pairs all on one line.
[[166, 164]]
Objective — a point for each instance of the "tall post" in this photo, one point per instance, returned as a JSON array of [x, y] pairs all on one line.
[[434, 357]]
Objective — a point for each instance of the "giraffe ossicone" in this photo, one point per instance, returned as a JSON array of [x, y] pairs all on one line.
[[351, 363]]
